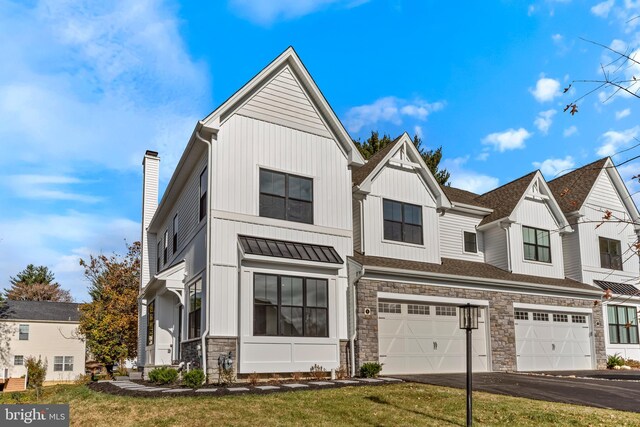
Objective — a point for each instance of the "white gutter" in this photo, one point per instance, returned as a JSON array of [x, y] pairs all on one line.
[[505, 226], [467, 279], [203, 343]]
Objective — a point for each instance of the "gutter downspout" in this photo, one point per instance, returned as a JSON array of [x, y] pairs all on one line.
[[505, 226], [354, 322], [203, 343]]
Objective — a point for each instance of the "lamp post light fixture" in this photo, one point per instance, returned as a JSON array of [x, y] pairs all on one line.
[[468, 316]]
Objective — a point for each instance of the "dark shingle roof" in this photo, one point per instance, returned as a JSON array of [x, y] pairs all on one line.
[[40, 310], [571, 190], [359, 175], [618, 288], [462, 196], [292, 250], [504, 199], [469, 269]]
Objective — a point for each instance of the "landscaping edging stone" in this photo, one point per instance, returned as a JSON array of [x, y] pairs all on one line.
[[143, 389]]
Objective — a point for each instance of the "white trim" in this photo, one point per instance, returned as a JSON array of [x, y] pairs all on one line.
[[427, 298], [553, 308], [289, 261]]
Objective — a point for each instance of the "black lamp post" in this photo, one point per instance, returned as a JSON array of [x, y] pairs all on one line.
[[468, 315]]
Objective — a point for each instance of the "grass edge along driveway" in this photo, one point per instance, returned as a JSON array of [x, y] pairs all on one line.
[[393, 405]]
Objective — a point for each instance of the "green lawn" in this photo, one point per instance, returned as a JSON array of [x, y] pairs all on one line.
[[392, 405]]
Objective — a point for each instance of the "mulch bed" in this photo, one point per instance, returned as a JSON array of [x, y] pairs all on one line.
[[109, 388]]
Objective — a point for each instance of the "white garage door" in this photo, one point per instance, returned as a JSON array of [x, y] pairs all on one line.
[[426, 338], [552, 340]]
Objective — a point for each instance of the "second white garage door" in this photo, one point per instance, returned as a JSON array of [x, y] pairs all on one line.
[[426, 338], [552, 340]]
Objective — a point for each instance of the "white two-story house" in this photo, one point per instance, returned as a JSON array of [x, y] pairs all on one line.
[[422, 250], [602, 251], [245, 255]]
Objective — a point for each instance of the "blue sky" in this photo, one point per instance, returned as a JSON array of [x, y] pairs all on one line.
[[86, 87]]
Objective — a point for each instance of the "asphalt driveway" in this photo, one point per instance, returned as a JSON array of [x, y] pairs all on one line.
[[620, 391]]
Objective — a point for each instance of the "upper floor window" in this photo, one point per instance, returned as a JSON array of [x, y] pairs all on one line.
[[204, 184], [18, 360], [286, 196], [537, 246], [175, 233], [151, 318], [290, 306], [63, 363], [23, 332], [195, 308], [610, 254], [623, 324], [165, 247], [158, 258], [402, 222], [470, 243]]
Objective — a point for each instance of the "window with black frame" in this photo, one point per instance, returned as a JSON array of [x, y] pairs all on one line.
[[175, 233], [165, 247], [204, 185], [286, 196], [158, 258], [623, 324], [195, 307], [290, 306], [537, 246], [402, 222], [470, 243], [610, 254], [151, 318]]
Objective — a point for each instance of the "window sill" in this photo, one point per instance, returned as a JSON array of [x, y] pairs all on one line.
[[411, 245], [543, 263]]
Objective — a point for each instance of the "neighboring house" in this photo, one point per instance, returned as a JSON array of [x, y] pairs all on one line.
[[602, 251], [46, 330], [277, 243]]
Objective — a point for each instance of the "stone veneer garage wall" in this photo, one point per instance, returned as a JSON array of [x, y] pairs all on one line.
[[502, 329]]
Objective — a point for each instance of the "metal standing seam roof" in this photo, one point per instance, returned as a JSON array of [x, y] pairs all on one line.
[[618, 288], [290, 250]]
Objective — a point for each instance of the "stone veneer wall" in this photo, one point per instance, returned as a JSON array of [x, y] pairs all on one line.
[[502, 329], [344, 355], [215, 347], [189, 353]]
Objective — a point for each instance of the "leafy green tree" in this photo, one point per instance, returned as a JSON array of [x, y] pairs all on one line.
[[36, 284], [432, 158], [109, 322]]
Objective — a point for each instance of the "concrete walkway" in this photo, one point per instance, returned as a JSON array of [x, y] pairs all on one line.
[[594, 391]]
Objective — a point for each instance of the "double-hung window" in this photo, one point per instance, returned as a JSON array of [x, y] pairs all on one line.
[[286, 196], [23, 332], [175, 233], [470, 242], [158, 257], [537, 246], [63, 363], [165, 247], [18, 360], [151, 320], [195, 307], [402, 222], [610, 254], [290, 306], [623, 324], [204, 184]]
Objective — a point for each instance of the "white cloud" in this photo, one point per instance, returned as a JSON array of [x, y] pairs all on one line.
[[467, 179], [546, 89], [544, 121], [483, 156], [105, 82], [613, 141], [266, 12], [389, 109], [510, 139], [557, 38], [418, 131], [46, 187], [602, 9], [623, 113], [552, 168], [59, 241], [571, 130]]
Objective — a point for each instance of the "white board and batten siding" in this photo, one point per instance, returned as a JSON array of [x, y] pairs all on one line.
[[452, 227], [536, 213], [283, 101], [495, 247], [405, 186], [604, 197]]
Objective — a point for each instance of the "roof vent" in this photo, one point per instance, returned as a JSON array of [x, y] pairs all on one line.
[[151, 153]]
